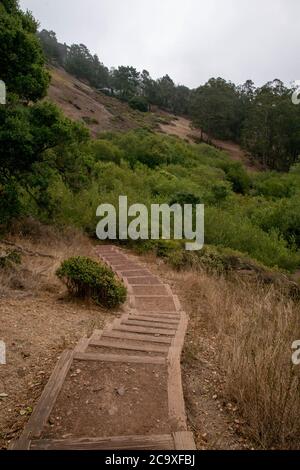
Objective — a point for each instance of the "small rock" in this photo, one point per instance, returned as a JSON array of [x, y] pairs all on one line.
[[21, 372], [121, 391], [25, 354]]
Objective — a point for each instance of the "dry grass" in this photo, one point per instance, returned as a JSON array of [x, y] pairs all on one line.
[[38, 318], [255, 328], [245, 331], [37, 272]]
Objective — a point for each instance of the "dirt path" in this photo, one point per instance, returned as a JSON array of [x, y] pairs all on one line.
[[96, 396], [182, 127]]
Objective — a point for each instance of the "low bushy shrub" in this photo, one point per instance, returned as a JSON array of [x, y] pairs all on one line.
[[9, 259], [87, 278], [139, 103]]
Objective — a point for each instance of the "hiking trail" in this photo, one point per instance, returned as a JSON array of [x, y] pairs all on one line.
[[121, 388]]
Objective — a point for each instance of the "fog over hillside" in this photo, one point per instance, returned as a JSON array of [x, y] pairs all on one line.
[[191, 41]]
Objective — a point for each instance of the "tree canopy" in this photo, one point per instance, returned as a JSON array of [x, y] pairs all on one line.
[[21, 58]]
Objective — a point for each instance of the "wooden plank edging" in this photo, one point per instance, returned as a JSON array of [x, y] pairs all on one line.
[[43, 409]]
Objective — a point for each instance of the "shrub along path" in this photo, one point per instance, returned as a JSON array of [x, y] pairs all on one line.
[[121, 388]]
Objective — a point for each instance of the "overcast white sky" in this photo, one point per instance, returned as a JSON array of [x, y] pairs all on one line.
[[191, 40]]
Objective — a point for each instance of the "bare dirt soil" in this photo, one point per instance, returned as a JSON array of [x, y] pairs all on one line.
[[104, 399], [182, 128], [96, 110], [38, 321]]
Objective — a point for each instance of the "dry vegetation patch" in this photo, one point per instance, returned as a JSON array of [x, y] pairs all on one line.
[[38, 318], [241, 387]]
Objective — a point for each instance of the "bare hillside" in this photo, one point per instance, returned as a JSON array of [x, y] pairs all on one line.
[[99, 112], [102, 113]]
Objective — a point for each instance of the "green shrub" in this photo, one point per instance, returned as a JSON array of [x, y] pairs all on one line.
[[9, 259], [185, 198], [239, 178], [139, 103], [274, 185], [87, 278], [102, 150], [10, 206]]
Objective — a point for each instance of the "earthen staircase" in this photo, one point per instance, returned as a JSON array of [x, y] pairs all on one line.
[[151, 332]]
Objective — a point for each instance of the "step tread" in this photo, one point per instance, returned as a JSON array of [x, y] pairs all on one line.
[[110, 343], [146, 324], [146, 330], [136, 337], [119, 358], [157, 319]]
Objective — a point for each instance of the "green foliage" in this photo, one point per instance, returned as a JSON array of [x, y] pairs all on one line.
[[139, 103], [274, 185], [31, 140], [51, 170], [86, 278], [21, 58], [185, 198], [103, 150], [10, 206], [239, 178], [81, 63], [219, 193], [10, 259], [271, 126], [215, 109]]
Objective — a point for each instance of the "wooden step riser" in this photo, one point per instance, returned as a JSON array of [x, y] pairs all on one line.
[[157, 319], [156, 315], [129, 274], [146, 331], [160, 442], [120, 358], [126, 345], [137, 337], [176, 441], [145, 324]]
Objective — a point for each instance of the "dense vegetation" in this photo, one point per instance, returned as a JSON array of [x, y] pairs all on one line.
[[51, 169]]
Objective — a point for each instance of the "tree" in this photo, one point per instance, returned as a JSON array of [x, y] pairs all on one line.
[[27, 133], [216, 109], [21, 58], [181, 100], [83, 65], [166, 90], [271, 130], [53, 50], [31, 132], [126, 82]]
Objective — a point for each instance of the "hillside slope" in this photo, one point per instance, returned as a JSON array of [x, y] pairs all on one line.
[[99, 112]]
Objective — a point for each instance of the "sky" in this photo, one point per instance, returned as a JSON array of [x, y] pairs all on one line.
[[191, 40]]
